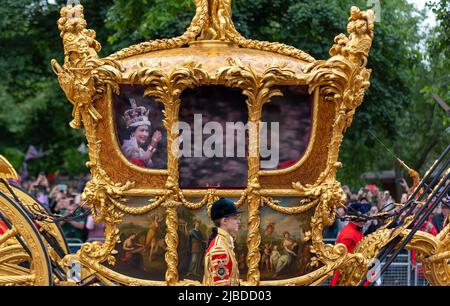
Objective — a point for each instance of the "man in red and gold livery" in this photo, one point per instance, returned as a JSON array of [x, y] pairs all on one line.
[[352, 233], [221, 267]]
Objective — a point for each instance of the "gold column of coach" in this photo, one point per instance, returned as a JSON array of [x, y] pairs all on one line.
[[259, 90], [167, 88]]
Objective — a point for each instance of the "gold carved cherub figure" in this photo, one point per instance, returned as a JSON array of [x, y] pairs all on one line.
[[357, 45]]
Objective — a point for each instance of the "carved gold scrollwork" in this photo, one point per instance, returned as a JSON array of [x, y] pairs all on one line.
[[353, 271], [212, 20], [327, 195], [200, 19], [219, 21], [7, 171], [259, 89], [103, 196], [432, 251], [274, 204], [220, 26], [85, 79], [342, 80], [167, 88], [171, 240], [434, 254], [18, 265], [207, 201]]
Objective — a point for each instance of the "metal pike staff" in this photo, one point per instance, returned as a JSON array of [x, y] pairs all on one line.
[[424, 210], [420, 197], [411, 203], [417, 225], [422, 183]]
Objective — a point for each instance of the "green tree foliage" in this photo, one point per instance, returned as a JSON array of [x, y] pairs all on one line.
[[426, 122], [33, 109], [441, 42]]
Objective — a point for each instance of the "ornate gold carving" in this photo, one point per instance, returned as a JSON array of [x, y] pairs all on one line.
[[432, 251], [221, 27], [167, 88], [13, 254], [8, 235], [207, 200], [434, 254], [198, 22], [342, 80], [171, 240], [353, 271], [212, 20], [84, 76], [103, 196], [304, 206], [327, 194], [356, 47], [220, 21], [259, 89], [7, 171]]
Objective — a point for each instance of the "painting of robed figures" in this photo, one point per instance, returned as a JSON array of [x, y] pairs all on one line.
[[196, 246], [284, 252]]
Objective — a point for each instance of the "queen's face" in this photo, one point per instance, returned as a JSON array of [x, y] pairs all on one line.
[[141, 134]]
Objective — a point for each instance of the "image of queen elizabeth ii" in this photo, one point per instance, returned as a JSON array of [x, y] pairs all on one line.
[[139, 148]]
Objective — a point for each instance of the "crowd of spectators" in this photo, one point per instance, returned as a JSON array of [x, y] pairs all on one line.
[[62, 197], [382, 201]]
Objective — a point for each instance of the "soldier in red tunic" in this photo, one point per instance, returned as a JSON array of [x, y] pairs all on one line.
[[352, 233], [221, 268]]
